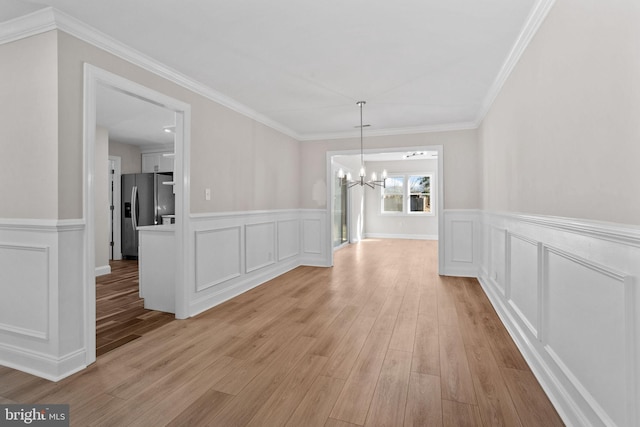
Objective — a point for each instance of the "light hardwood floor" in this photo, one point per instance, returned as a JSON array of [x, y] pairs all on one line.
[[378, 340]]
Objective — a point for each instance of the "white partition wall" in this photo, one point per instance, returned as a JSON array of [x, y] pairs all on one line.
[[567, 292], [234, 252], [41, 307], [569, 298], [461, 243]]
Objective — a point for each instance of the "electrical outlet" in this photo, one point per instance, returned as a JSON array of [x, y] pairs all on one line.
[[207, 194]]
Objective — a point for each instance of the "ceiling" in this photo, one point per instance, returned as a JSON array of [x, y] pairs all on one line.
[[131, 120], [302, 65]]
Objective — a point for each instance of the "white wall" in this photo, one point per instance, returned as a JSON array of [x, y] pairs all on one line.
[[401, 225]]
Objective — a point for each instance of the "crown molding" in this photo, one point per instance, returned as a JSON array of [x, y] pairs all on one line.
[[102, 41], [534, 20], [28, 25], [448, 127], [48, 19]]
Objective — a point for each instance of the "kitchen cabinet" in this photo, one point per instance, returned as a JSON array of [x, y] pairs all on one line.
[[157, 269], [157, 162]]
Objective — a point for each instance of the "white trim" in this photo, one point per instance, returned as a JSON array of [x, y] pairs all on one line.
[[198, 233], [534, 20], [117, 206], [41, 364], [41, 225], [609, 251], [447, 127], [50, 19], [32, 24], [94, 76], [401, 236], [235, 214], [613, 232], [103, 270], [33, 333], [210, 300]]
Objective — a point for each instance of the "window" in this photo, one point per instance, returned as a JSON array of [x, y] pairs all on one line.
[[393, 195], [407, 194], [420, 193]]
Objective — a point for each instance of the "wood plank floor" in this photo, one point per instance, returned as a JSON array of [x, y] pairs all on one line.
[[378, 340], [120, 313]]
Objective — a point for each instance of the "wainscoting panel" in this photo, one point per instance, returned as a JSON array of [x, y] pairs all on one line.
[[41, 296], [234, 252], [523, 289], [260, 247], [462, 243], [218, 256], [24, 305], [311, 232], [571, 305], [288, 239], [497, 261], [585, 330]]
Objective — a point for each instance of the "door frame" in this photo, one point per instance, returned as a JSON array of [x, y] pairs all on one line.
[[93, 78], [439, 200], [117, 200]]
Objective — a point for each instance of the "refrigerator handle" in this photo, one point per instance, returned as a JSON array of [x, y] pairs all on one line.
[[134, 208]]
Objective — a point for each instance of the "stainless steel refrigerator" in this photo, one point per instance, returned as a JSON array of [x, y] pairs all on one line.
[[144, 200]]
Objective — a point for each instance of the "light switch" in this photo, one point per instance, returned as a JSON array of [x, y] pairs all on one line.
[[207, 194]]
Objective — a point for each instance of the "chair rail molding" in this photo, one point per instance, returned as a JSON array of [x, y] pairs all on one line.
[[566, 290]]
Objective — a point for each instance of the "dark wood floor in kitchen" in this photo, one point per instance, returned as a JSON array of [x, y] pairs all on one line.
[[120, 313]]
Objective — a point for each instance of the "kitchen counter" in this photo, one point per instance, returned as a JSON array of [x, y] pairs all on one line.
[[156, 263]]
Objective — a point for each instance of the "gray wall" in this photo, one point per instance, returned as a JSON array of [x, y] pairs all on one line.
[[29, 130], [129, 155], [460, 151], [247, 165]]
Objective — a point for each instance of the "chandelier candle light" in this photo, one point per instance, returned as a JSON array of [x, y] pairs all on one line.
[[374, 181]]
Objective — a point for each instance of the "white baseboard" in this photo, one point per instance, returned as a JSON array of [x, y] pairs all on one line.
[[103, 270], [249, 282], [40, 364], [401, 236]]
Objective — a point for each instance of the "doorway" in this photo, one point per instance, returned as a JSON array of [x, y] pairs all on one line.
[[114, 171], [340, 213], [349, 161], [98, 81]]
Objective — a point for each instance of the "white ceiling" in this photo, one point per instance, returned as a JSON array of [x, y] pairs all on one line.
[[132, 120], [419, 64]]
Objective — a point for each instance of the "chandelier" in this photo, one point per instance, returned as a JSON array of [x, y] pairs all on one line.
[[374, 181]]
